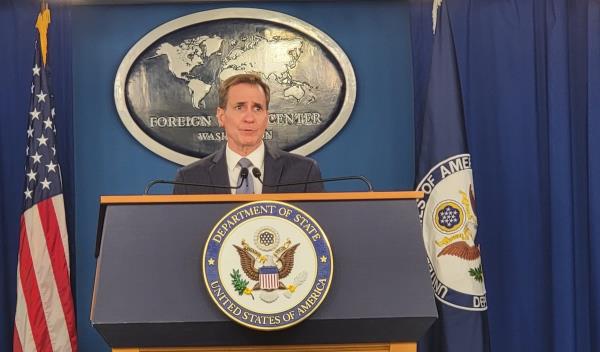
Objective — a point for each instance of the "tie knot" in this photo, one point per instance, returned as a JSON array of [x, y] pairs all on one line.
[[244, 162]]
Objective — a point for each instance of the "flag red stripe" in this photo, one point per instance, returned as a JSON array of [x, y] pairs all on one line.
[[269, 281], [31, 291], [16, 341], [60, 269]]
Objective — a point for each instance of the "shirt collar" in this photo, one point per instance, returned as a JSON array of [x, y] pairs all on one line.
[[257, 157]]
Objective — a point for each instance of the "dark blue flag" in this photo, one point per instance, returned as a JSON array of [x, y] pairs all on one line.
[[447, 212]]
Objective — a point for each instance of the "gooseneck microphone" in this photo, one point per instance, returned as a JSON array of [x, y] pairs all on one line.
[[243, 175], [256, 172]]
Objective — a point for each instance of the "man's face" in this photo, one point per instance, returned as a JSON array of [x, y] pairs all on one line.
[[244, 117]]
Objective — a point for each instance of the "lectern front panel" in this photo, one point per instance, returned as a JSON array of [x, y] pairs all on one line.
[[149, 289]]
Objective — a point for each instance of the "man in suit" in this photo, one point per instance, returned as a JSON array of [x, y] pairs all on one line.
[[243, 113]]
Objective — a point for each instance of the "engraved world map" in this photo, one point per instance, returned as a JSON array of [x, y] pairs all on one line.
[[246, 56], [172, 87]]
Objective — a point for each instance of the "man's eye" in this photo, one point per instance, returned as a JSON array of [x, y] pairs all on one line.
[[238, 107], [258, 108]]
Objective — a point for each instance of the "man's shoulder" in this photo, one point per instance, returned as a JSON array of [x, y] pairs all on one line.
[[199, 165], [294, 169], [288, 157]]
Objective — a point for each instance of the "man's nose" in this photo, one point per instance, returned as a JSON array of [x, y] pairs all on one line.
[[248, 115]]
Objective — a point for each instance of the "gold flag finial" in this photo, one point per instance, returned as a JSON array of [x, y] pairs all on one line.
[[41, 24]]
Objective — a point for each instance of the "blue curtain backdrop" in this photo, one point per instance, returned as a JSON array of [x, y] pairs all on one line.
[[529, 73], [17, 34]]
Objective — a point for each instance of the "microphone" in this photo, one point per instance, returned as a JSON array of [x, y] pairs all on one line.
[[256, 173], [243, 176]]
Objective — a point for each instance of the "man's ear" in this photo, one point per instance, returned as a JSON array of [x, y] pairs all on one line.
[[220, 116]]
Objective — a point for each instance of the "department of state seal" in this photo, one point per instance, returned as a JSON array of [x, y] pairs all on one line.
[[267, 265], [449, 219]]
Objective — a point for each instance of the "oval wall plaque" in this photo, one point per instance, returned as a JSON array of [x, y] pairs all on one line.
[[166, 88]]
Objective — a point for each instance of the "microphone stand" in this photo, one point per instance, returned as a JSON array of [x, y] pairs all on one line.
[[256, 173], [243, 176]]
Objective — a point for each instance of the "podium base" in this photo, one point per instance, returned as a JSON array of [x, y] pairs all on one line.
[[389, 347]]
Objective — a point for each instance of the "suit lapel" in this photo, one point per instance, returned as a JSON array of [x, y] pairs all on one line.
[[273, 169], [218, 171]]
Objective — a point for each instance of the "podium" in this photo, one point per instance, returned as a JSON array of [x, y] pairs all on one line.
[[149, 293]]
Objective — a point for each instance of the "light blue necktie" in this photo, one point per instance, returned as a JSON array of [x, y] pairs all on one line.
[[248, 185]]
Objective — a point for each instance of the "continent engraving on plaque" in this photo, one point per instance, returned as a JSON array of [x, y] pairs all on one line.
[[166, 88]]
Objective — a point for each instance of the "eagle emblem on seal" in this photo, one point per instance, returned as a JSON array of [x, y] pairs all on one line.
[[268, 267], [463, 249], [272, 268]]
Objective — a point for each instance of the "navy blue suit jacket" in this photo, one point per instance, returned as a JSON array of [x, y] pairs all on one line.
[[280, 167]]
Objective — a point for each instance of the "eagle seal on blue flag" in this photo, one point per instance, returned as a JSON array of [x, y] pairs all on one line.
[[448, 211]]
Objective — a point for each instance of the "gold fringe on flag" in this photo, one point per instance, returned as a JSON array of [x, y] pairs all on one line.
[[41, 24]]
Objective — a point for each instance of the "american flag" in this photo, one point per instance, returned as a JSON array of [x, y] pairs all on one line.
[[44, 318]]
